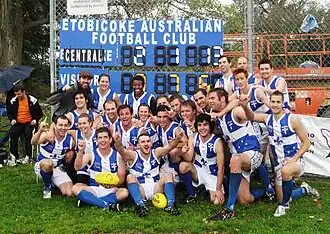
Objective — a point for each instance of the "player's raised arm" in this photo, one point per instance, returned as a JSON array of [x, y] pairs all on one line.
[[162, 151], [128, 155], [82, 159], [183, 139], [263, 97], [188, 150], [97, 123], [302, 134], [40, 136], [248, 113]]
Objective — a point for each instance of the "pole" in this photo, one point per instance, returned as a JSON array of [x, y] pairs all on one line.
[[249, 26], [52, 49]]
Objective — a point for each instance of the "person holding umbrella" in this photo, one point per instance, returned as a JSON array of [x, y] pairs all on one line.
[[24, 113]]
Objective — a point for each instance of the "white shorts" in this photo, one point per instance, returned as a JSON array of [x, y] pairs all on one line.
[[165, 168], [100, 191], [59, 177], [148, 190], [278, 174], [255, 159], [206, 179]]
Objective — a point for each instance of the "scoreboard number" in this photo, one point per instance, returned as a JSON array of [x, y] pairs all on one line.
[[130, 56], [170, 56], [139, 56], [170, 82]]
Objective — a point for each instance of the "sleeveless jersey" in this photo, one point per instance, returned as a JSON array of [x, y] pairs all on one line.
[[75, 116], [185, 128], [240, 137], [56, 150], [169, 134], [128, 137], [251, 79], [205, 154], [135, 103], [255, 104], [146, 171], [98, 100], [102, 164], [106, 121], [224, 83], [283, 139], [273, 85], [152, 132]]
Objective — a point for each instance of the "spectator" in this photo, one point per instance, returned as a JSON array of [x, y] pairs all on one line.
[[64, 97], [24, 112]]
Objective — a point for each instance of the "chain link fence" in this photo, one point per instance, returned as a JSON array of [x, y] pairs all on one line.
[[299, 51]]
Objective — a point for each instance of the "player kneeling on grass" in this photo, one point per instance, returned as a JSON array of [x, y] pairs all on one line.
[[49, 164], [101, 160], [284, 131], [205, 151], [144, 180]]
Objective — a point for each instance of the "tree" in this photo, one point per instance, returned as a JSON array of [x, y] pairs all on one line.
[[17, 18]]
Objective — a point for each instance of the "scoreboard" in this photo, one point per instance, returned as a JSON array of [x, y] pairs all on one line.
[[156, 82], [140, 43], [137, 44]]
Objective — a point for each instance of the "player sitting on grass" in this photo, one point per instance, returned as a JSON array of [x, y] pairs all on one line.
[[144, 179], [284, 131], [49, 163], [100, 160], [205, 151]]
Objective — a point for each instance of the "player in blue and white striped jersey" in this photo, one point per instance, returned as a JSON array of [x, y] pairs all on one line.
[[227, 80], [146, 121], [175, 102], [102, 159], [271, 82], [103, 93], [201, 100], [188, 113], [144, 179], [204, 161], [285, 134], [88, 134], [49, 163], [259, 103], [244, 147], [80, 101], [110, 115], [126, 126], [242, 62], [139, 96], [167, 131]]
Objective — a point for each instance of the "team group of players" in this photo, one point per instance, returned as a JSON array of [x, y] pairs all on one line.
[[215, 139]]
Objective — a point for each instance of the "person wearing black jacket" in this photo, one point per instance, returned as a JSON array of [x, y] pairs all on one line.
[[63, 98], [24, 113]]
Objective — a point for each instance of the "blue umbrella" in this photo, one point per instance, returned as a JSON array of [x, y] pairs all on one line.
[[13, 74]]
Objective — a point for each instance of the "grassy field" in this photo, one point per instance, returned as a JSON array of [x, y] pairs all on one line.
[[23, 210]]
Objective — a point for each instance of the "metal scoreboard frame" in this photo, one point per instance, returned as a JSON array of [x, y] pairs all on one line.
[[141, 44]]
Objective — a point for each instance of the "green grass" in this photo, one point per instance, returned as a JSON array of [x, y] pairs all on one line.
[[23, 210]]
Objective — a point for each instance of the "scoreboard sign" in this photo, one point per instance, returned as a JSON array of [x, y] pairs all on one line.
[[156, 82], [142, 43]]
